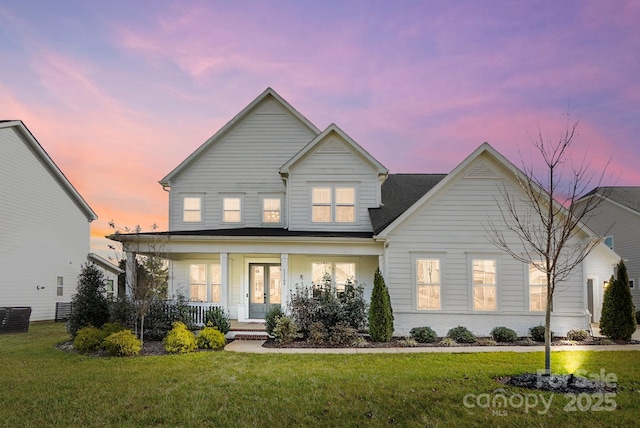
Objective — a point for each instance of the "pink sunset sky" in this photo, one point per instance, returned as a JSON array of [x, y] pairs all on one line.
[[120, 92]]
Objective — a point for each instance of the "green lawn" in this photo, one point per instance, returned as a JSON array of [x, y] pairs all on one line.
[[42, 386]]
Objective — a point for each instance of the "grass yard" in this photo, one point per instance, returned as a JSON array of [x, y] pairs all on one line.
[[43, 386]]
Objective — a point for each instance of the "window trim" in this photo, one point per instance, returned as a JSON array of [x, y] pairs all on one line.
[[415, 259], [333, 202], [200, 198], [59, 286], [530, 285], [263, 211], [208, 283], [495, 285], [240, 199]]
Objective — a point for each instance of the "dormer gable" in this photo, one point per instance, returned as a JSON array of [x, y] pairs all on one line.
[[333, 141]]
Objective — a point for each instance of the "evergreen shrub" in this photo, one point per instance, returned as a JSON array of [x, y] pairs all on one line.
[[122, 344], [380, 312], [88, 339], [461, 335], [617, 319], [504, 335], [217, 317], [210, 338], [180, 340], [577, 334], [424, 335]]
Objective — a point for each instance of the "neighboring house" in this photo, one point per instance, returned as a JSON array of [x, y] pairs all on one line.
[[44, 225], [270, 202], [617, 220], [111, 273]]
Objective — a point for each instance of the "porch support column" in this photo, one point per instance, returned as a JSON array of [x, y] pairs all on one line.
[[130, 273], [284, 270], [224, 280]]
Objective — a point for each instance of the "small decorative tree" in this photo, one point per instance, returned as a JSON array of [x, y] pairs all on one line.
[[89, 306], [380, 312], [617, 320]]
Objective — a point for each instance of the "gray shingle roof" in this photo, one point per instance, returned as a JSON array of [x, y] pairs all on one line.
[[626, 196], [399, 192]]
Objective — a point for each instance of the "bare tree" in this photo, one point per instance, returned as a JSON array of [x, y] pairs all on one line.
[[547, 222], [148, 273]]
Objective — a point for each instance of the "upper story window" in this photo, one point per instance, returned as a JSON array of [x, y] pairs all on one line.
[[271, 210], [192, 209], [484, 284], [231, 210], [608, 241], [428, 283], [333, 204], [537, 289]]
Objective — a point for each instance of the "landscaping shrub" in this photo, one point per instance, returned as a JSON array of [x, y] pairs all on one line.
[[163, 313], [637, 317], [423, 335], [285, 330], [461, 335], [111, 327], [180, 340], [272, 315], [380, 312], [353, 306], [408, 342], [537, 333], [504, 335], [447, 341], [343, 334], [617, 320], [122, 344], [317, 334], [217, 317], [88, 339], [577, 334], [89, 305], [302, 307], [210, 338], [122, 310]]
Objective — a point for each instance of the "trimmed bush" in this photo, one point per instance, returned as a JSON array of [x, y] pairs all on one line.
[[89, 305], [111, 327], [380, 312], [270, 319], [180, 340], [122, 344], [504, 335], [317, 334], [353, 307], [210, 338], [577, 334], [343, 334], [424, 335], [285, 330], [537, 333], [217, 317], [461, 335], [88, 339], [617, 320]]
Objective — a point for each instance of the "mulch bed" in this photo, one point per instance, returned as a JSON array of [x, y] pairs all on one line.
[[398, 342]]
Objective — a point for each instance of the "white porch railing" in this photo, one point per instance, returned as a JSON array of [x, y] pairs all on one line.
[[198, 311]]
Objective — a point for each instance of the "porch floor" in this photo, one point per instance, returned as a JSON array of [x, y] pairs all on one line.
[[247, 326]]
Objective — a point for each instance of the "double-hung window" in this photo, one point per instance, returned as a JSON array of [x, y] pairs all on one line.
[[59, 286], [428, 283], [537, 289], [337, 273], [333, 204], [192, 209], [484, 284], [271, 210], [231, 210]]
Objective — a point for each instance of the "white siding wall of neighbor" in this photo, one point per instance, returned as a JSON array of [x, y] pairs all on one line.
[[624, 226], [245, 163], [332, 164], [44, 233], [452, 226]]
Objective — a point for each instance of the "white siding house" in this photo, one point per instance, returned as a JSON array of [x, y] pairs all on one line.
[[617, 220], [44, 225], [270, 201]]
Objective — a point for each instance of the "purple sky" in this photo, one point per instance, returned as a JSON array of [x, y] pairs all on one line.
[[120, 92]]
